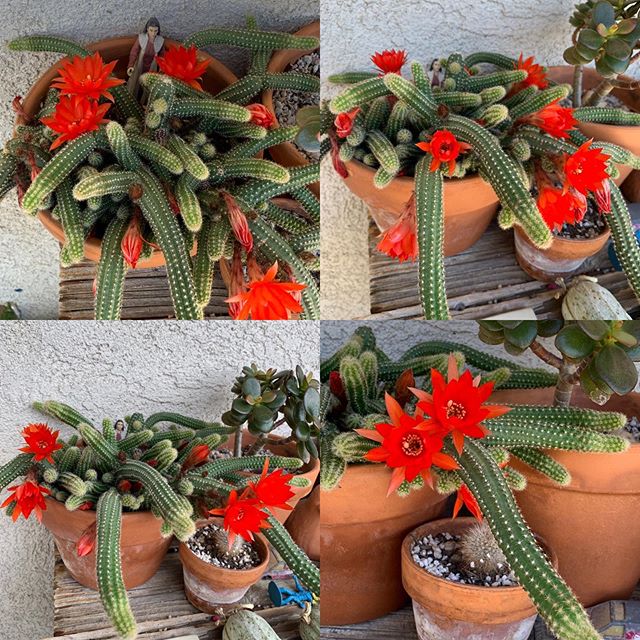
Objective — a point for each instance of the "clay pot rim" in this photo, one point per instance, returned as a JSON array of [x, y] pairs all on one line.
[[91, 513], [439, 526], [187, 556], [597, 242]]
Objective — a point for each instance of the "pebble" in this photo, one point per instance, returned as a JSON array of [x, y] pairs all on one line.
[[633, 428], [203, 546]]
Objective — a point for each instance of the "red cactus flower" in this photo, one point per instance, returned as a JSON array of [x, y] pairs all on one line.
[[406, 447], [242, 517], [261, 116], [75, 115], [400, 241], [28, 497], [390, 60], [87, 541], [537, 75], [87, 506], [466, 498], [554, 120], [182, 63], [586, 168], [559, 207], [197, 457], [18, 108], [338, 165], [268, 298], [445, 149], [273, 489], [233, 277], [603, 197], [132, 242], [344, 122], [88, 77], [457, 405], [238, 220], [40, 441]]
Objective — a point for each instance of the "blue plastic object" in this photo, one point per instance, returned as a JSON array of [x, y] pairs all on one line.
[[281, 595]]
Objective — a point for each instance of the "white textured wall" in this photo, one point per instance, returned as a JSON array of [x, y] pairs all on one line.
[[354, 29], [114, 369], [28, 255]]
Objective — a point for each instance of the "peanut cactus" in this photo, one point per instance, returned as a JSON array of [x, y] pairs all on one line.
[[167, 163], [524, 432], [494, 113]]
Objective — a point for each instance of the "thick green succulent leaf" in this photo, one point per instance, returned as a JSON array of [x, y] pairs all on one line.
[[616, 369], [574, 343]]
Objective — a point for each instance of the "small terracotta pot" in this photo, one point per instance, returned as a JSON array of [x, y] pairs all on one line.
[[304, 525], [469, 204], [309, 471], [142, 547], [208, 586], [445, 610], [361, 533], [216, 77], [561, 259], [287, 154], [625, 136], [592, 524]]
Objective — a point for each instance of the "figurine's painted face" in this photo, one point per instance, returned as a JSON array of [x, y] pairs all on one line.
[[436, 66], [152, 32]]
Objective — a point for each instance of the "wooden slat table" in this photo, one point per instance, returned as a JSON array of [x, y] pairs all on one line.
[[160, 606], [483, 281]]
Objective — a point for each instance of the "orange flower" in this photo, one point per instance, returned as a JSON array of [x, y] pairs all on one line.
[[87, 541], [267, 298], [586, 169], [400, 241], [537, 75], [132, 243], [238, 220], [466, 498], [603, 197], [273, 489], [457, 406], [344, 122], [406, 446], [242, 517], [445, 149], [196, 457], [554, 120], [390, 60], [88, 77], [40, 441], [181, 63], [261, 116], [75, 115], [27, 497], [558, 207]]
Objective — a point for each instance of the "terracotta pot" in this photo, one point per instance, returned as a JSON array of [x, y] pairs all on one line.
[[625, 136], [592, 524], [445, 610], [208, 586], [361, 533], [469, 204], [561, 259], [304, 525], [142, 546], [287, 154], [309, 471], [216, 77]]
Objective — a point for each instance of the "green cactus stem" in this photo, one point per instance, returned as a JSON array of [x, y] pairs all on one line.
[[155, 153], [69, 213], [61, 411], [111, 272], [254, 40], [529, 416], [606, 115], [273, 137], [358, 95], [184, 421], [544, 464], [332, 466], [15, 468]]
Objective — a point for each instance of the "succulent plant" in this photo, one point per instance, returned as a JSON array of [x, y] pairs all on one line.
[[493, 123], [352, 403], [309, 120], [479, 552], [182, 173]]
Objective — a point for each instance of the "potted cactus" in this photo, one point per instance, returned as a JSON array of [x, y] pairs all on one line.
[[596, 368], [442, 432], [408, 148], [171, 173]]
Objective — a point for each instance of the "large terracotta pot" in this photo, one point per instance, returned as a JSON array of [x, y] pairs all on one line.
[[445, 610], [208, 586], [304, 525], [561, 259], [361, 533], [142, 546], [287, 154], [592, 524], [625, 136], [216, 78], [469, 204]]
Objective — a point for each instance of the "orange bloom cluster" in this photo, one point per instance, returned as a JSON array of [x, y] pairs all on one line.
[[390, 60], [537, 75], [400, 240], [444, 148], [553, 119], [182, 63], [41, 442]]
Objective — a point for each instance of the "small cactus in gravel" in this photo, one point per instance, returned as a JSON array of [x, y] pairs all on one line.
[[479, 552]]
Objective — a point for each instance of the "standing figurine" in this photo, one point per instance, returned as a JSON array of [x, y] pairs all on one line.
[[143, 53], [435, 68], [120, 429]]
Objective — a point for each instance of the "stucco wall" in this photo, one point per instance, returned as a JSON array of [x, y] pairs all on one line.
[[354, 29], [28, 255], [109, 369]]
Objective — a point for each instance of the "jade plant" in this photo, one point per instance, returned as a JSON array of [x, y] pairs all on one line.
[[606, 33], [114, 471], [179, 170], [492, 116], [266, 400], [431, 423], [597, 355]]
